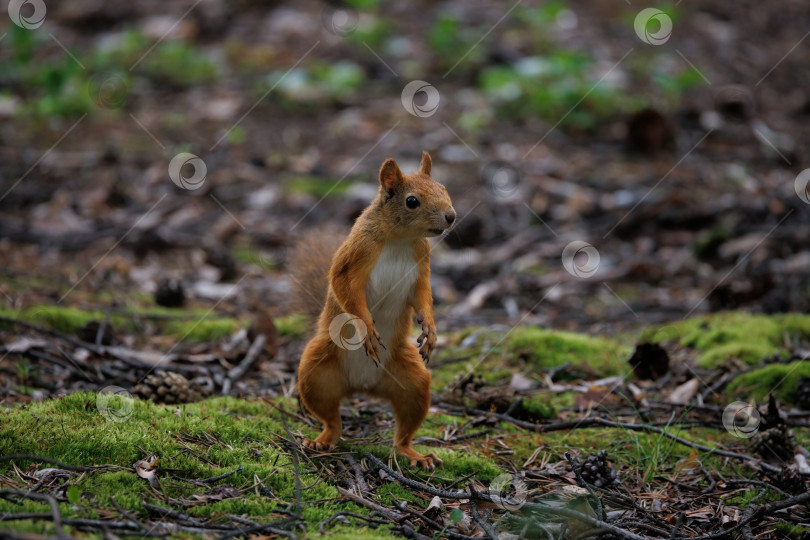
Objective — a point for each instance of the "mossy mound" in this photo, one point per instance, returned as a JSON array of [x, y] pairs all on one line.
[[782, 380], [195, 325], [547, 349], [747, 337]]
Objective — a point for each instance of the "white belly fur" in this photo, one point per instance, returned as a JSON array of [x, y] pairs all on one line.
[[389, 289]]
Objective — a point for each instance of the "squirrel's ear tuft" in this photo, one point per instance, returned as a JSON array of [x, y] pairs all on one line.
[[426, 164], [390, 175]]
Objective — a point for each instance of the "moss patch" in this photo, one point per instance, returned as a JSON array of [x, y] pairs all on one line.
[[293, 326], [547, 349], [203, 330], [197, 440], [190, 325], [780, 379], [747, 337]]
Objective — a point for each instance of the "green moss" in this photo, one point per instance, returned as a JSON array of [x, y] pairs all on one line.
[[294, 326], [547, 349], [743, 499], [791, 531], [317, 187], [197, 440], [64, 319], [203, 330], [780, 379], [745, 336], [539, 407]]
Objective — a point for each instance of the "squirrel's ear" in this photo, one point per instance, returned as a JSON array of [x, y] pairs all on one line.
[[426, 164], [390, 175]]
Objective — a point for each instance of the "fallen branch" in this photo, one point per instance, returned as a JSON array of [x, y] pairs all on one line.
[[596, 421], [29, 457]]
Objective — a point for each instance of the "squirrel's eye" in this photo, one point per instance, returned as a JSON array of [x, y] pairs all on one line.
[[412, 202]]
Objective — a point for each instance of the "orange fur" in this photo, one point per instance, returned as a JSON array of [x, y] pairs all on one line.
[[382, 272]]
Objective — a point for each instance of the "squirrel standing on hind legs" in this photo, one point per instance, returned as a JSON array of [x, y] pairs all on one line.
[[379, 278]]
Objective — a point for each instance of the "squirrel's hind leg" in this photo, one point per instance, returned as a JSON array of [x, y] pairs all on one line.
[[407, 385], [321, 386]]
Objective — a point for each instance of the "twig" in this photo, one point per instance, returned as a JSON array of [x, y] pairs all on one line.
[[367, 519], [435, 524], [239, 371], [130, 517], [296, 466], [56, 517], [478, 519], [30, 457], [221, 476], [358, 474], [598, 421], [565, 512], [371, 505]]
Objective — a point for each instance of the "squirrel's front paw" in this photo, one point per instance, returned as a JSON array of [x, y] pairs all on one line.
[[427, 339], [370, 344]]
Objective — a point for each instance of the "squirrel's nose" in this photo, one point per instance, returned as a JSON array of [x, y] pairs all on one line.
[[450, 216]]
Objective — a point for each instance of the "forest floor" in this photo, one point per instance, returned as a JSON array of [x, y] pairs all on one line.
[[556, 433], [679, 165]]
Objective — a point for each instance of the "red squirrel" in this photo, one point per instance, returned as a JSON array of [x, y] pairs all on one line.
[[379, 279]]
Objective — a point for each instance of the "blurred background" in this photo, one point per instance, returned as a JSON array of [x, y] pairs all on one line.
[[613, 164]]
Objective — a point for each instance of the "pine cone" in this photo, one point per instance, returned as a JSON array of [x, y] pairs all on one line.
[[787, 479], [598, 471], [803, 394], [170, 293], [169, 388], [776, 444]]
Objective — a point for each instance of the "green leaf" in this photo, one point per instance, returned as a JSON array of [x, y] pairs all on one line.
[[456, 515], [73, 494]]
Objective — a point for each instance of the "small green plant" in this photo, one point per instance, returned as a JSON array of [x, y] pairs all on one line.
[[24, 370], [448, 37], [456, 515], [561, 87], [180, 64], [372, 32], [651, 453], [317, 83]]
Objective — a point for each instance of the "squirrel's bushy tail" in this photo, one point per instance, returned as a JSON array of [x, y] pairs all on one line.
[[308, 266]]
